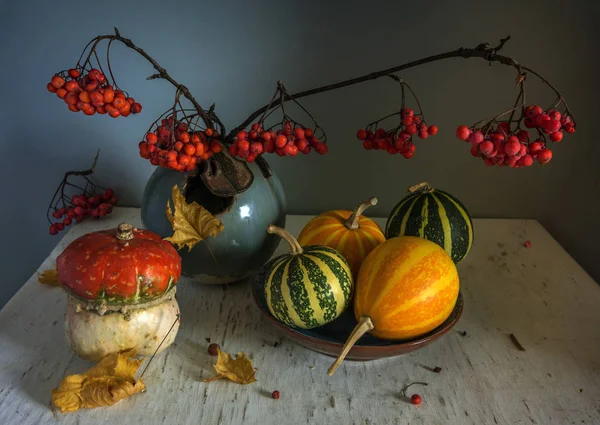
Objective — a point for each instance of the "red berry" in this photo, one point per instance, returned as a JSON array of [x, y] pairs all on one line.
[[513, 146], [527, 244], [415, 399], [541, 120], [552, 125], [529, 122], [475, 151], [486, 147], [525, 161], [535, 147], [476, 137], [322, 149], [308, 132], [423, 134], [554, 115], [67, 221], [544, 156], [269, 146], [281, 141], [433, 130], [287, 150], [503, 128], [53, 229], [489, 162], [407, 112], [569, 127], [522, 135], [556, 136], [302, 144], [368, 145], [59, 226], [411, 129], [275, 395], [361, 134], [511, 161], [213, 349], [256, 148], [243, 145], [57, 81], [533, 111], [463, 132], [299, 133], [407, 120]]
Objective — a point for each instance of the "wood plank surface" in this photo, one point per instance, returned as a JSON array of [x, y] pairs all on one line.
[[539, 294]]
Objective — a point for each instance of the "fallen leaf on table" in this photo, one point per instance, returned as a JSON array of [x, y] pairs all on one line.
[[108, 382], [49, 277], [238, 370], [191, 222]]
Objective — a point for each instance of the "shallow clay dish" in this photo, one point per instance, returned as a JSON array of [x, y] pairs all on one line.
[[330, 339]]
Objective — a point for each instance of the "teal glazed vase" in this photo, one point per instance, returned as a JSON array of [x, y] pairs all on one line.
[[243, 245]]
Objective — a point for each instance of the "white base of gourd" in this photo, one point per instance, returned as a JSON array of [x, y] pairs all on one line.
[[93, 336]]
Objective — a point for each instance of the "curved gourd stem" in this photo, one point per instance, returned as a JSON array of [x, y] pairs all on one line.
[[423, 187], [284, 234], [352, 222], [364, 325]]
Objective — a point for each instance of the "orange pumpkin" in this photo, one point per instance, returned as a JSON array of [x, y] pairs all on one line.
[[349, 232], [406, 287]]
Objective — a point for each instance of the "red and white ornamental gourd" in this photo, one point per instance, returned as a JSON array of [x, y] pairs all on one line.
[[121, 285]]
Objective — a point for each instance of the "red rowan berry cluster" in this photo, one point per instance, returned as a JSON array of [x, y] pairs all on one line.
[[398, 139], [179, 144], [91, 201], [90, 92], [288, 138], [497, 144]]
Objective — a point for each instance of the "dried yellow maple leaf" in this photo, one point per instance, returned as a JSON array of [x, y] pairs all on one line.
[[49, 277], [238, 370], [191, 222], [110, 381]]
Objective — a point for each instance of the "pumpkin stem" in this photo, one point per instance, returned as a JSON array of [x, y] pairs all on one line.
[[424, 187], [284, 234], [352, 222], [364, 325], [125, 232]]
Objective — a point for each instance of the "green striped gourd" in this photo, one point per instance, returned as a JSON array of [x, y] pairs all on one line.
[[309, 287], [434, 215]]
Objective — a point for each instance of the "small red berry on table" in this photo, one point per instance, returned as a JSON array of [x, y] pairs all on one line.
[[213, 349], [275, 395], [415, 399], [527, 244]]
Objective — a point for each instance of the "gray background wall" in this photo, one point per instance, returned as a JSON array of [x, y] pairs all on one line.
[[232, 53]]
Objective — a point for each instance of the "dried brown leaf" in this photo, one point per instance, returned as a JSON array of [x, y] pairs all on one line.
[[191, 223], [108, 382], [238, 370], [49, 277]]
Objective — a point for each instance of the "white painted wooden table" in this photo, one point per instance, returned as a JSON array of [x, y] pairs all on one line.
[[539, 294]]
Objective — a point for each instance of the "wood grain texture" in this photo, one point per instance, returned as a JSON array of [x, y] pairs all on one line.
[[539, 294]]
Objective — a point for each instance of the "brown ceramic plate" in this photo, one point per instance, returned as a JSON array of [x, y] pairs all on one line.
[[330, 339]]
